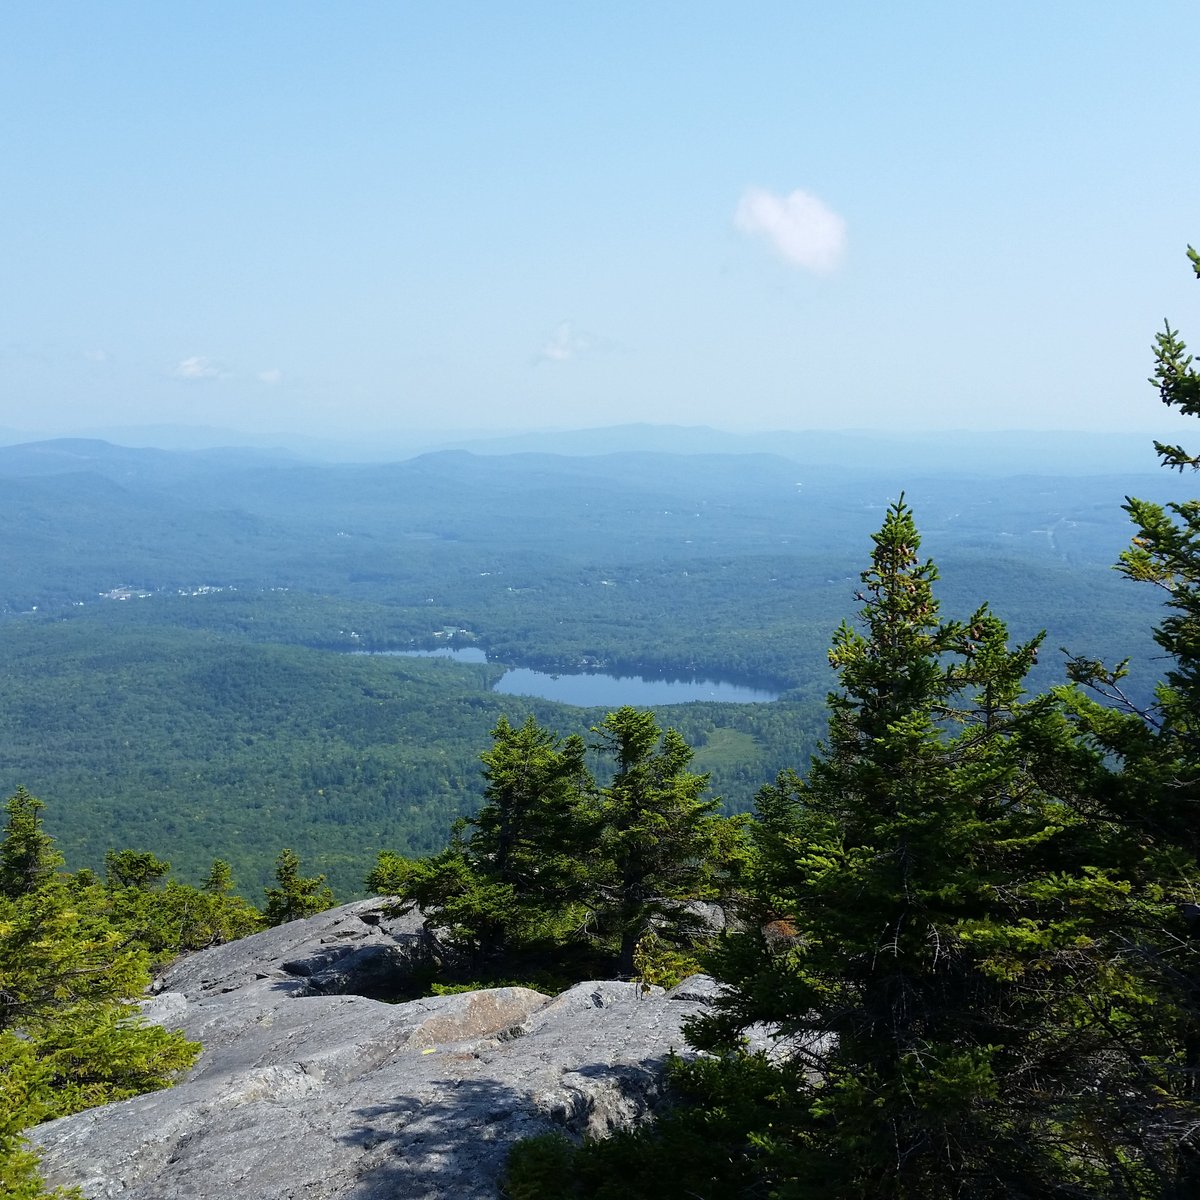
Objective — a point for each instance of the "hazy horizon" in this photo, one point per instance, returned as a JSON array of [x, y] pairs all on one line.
[[334, 222], [1037, 452]]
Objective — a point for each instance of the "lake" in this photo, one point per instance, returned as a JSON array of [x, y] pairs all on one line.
[[593, 690]]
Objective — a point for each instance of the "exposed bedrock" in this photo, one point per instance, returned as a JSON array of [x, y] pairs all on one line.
[[310, 1086]]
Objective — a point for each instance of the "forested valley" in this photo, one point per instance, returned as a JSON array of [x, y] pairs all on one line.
[[178, 628], [963, 867]]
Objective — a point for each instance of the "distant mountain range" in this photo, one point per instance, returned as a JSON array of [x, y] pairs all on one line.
[[83, 516], [1015, 452]]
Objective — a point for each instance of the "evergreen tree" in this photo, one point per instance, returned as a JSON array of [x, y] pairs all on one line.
[[134, 869], [916, 959], [511, 885], [556, 878], [918, 946], [1143, 800], [182, 917], [528, 824], [167, 917], [297, 895], [219, 880], [28, 858], [70, 1034], [658, 834]]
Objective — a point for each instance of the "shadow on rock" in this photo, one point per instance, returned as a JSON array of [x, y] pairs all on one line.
[[451, 1138]]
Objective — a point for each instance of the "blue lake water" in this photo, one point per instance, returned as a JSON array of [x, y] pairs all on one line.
[[588, 690], [611, 691]]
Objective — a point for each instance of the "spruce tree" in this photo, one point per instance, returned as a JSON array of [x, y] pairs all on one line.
[[529, 839], [28, 858], [219, 880], [915, 936], [658, 833], [560, 879], [917, 947], [1143, 802], [70, 1032], [511, 885], [296, 896], [140, 869]]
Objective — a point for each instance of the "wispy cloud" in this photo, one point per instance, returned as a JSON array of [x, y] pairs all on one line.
[[197, 367], [271, 377], [564, 344], [800, 227]]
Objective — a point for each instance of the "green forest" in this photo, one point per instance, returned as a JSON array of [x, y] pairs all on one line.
[[217, 710], [975, 918], [967, 883]]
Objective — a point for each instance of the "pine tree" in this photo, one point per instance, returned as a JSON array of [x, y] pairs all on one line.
[[658, 833], [166, 917], [28, 858], [511, 884], [529, 838], [555, 877], [918, 946], [219, 880], [141, 869], [297, 896], [917, 939], [1143, 801], [70, 1032]]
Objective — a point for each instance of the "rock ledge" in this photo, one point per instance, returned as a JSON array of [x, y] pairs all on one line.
[[310, 1086]]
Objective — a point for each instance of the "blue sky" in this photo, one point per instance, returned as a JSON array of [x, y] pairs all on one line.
[[353, 217]]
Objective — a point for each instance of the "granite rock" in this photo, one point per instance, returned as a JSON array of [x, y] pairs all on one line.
[[307, 1087]]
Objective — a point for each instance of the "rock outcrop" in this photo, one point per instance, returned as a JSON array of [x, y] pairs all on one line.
[[310, 1085]]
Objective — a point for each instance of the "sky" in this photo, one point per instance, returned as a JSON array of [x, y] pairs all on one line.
[[375, 217]]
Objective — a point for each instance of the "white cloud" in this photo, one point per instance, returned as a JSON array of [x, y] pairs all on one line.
[[197, 367], [96, 356], [564, 344], [803, 229], [271, 377]]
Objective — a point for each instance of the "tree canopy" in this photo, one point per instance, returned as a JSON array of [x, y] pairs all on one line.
[[560, 876], [70, 1032], [974, 921]]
